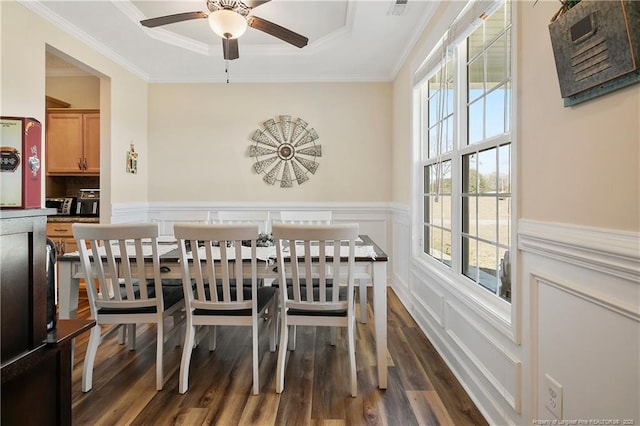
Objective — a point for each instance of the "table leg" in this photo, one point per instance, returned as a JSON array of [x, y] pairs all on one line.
[[67, 291], [380, 319]]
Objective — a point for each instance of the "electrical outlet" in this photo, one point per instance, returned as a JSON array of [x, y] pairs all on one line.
[[553, 396]]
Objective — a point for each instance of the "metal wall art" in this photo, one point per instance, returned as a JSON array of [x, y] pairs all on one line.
[[285, 151]]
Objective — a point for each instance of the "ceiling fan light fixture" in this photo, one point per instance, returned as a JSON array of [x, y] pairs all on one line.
[[227, 23]]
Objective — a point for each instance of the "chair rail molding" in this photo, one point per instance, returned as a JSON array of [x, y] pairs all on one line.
[[608, 251]]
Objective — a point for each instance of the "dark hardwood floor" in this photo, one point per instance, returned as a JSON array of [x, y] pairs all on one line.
[[421, 389]]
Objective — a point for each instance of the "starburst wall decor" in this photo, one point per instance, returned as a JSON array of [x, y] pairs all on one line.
[[285, 151]]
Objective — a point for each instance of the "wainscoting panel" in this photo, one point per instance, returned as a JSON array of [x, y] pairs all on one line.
[[401, 249], [590, 346], [428, 298], [501, 368], [578, 320], [374, 219]]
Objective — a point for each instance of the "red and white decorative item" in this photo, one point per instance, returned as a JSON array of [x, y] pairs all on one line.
[[20, 163]]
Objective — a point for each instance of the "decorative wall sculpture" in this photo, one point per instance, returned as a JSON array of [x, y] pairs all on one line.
[[285, 151]]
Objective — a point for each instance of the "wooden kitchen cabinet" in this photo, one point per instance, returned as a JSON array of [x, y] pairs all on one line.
[[73, 142], [62, 237]]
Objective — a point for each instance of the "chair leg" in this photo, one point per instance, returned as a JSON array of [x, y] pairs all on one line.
[[282, 354], [333, 333], [178, 334], [273, 325], [292, 337], [122, 334], [159, 354], [363, 301], [254, 338], [131, 334], [190, 332], [213, 338], [352, 357], [90, 357]]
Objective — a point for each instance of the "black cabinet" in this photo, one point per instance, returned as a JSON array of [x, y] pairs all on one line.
[[35, 365], [23, 281]]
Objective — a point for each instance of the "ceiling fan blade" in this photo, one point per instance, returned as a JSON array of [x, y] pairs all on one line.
[[277, 31], [170, 19], [230, 48], [255, 3]]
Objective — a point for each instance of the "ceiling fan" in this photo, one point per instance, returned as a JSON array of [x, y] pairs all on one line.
[[230, 19]]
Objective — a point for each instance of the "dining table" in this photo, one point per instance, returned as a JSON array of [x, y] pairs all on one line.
[[370, 261]]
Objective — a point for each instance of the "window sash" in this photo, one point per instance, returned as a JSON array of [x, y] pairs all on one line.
[[467, 245]]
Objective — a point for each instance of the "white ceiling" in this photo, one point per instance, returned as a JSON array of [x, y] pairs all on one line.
[[349, 40]]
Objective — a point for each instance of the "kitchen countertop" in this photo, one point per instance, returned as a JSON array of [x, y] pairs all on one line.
[[72, 219]]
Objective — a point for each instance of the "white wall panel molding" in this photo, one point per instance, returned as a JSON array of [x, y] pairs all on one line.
[[374, 218], [126, 213], [366, 212], [626, 308], [401, 249], [612, 252], [428, 299], [465, 293], [501, 368], [566, 319], [486, 398]]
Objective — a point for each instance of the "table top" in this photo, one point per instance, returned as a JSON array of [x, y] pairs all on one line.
[[173, 255]]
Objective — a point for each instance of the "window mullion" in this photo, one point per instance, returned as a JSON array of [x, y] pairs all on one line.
[[460, 78]]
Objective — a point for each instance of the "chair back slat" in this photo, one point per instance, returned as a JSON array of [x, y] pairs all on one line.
[[309, 261], [218, 278], [114, 266]]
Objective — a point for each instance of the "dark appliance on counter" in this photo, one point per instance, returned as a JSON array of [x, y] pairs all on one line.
[[88, 203], [66, 206], [51, 285]]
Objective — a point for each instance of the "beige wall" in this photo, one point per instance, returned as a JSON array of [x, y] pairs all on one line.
[[577, 165], [123, 95], [200, 136], [80, 92], [402, 100]]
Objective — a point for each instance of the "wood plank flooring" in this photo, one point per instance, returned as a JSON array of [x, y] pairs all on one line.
[[421, 389]]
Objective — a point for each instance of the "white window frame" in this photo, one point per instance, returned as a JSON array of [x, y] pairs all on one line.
[[503, 313]]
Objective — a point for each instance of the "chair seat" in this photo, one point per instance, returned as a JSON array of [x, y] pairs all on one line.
[[264, 297], [171, 295], [315, 282], [246, 283], [303, 312]]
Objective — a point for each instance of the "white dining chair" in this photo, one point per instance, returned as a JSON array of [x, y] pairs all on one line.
[[317, 291], [326, 217], [225, 292], [121, 268], [258, 217]]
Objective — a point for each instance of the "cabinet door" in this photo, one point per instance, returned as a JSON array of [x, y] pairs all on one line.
[[62, 236], [64, 144], [92, 143]]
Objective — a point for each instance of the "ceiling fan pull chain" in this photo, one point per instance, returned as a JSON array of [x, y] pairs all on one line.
[[226, 69]]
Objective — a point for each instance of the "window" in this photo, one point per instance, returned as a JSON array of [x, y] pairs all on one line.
[[466, 144]]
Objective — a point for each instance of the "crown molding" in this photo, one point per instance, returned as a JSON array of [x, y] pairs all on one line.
[[47, 14]]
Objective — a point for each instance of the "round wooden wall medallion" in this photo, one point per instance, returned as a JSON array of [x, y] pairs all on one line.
[[285, 151]]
